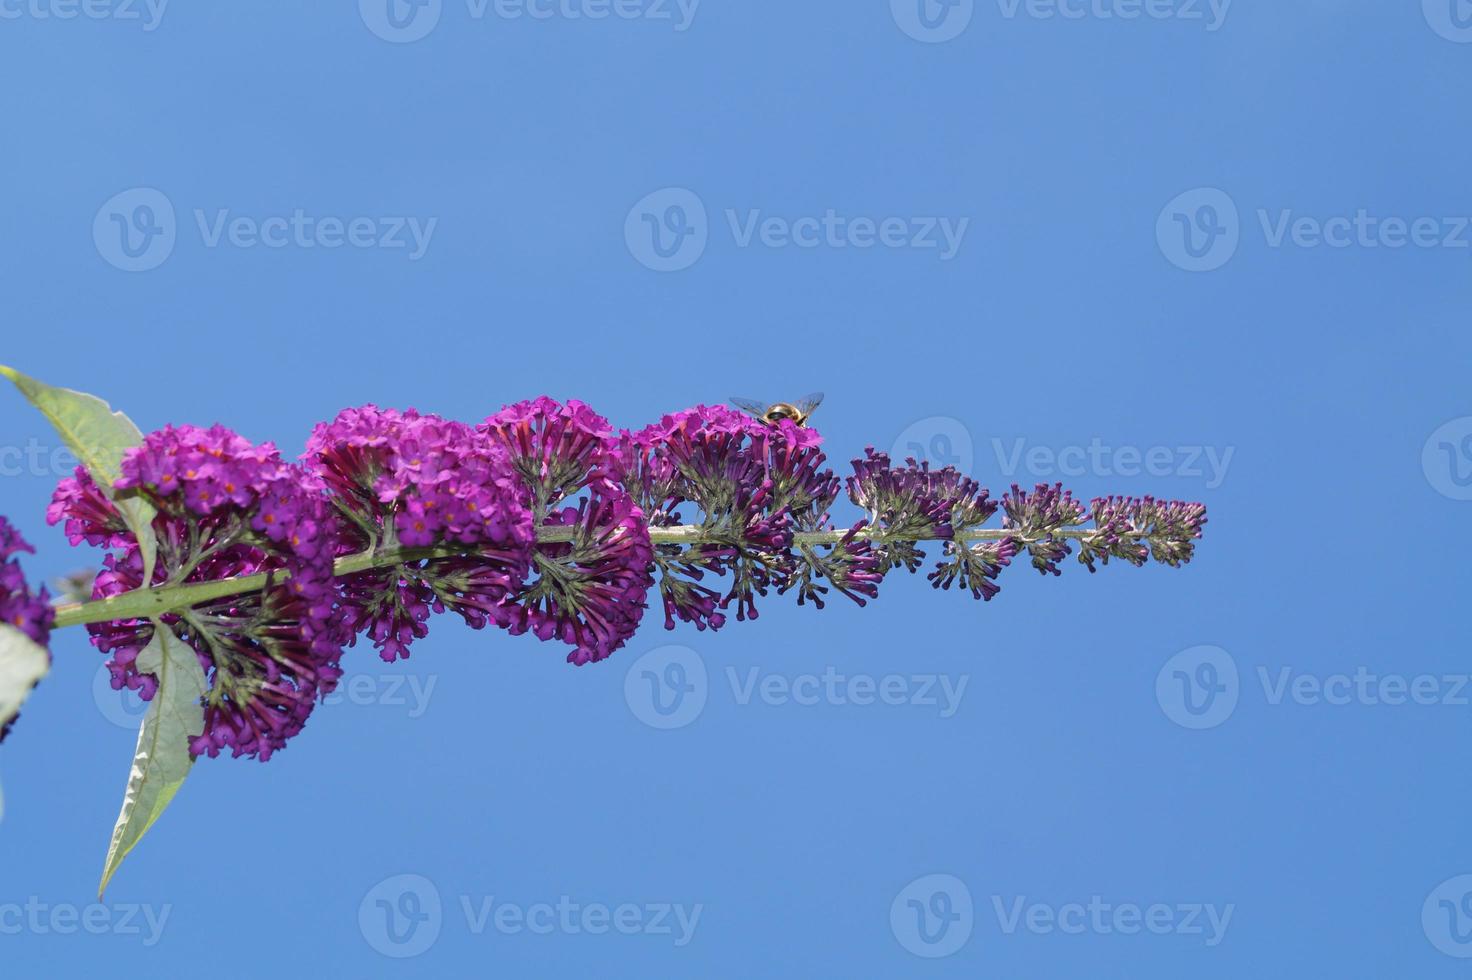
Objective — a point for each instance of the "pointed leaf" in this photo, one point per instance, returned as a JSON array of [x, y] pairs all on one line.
[[23, 662], [175, 715], [99, 437]]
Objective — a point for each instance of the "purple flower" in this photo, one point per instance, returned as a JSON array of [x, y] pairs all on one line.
[[1133, 529], [557, 449], [402, 479], [88, 514], [1038, 516], [914, 499], [974, 565], [226, 508], [30, 612], [852, 566], [590, 588], [748, 481], [913, 502]]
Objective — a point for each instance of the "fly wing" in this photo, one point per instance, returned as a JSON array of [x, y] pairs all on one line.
[[758, 409], [808, 404]]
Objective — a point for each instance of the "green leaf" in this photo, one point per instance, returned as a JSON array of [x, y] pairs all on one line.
[[23, 663], [99, 437], [175, 715]]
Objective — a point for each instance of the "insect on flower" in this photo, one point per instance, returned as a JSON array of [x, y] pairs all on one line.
[[774, 412]]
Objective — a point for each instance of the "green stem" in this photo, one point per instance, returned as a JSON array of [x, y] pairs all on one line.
[[166, 599]]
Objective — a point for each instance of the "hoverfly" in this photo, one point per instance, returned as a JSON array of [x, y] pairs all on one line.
[[774, 412]]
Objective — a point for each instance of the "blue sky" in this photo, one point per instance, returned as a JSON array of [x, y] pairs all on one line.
[[1218, 253]]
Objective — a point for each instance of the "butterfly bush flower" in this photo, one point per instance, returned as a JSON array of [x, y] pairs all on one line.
[[539, 520], [749, 485], [402, 479], [1134, 529], [1038, 515], [226, 508], [910, 503], [27, 611], [87, 514], [592, 581]]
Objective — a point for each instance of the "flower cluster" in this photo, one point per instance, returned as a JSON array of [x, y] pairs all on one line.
[[402, 480], [1038, 516], [593, 566], [913, 502], [1135, 529], [751, 487], [542, 520], [87, 514], [30, 612], [225, 508]]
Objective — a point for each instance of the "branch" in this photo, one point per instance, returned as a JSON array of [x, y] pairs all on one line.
[[165, 599]]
